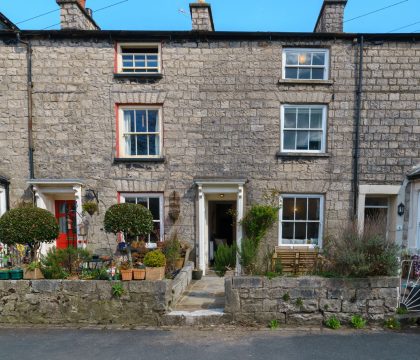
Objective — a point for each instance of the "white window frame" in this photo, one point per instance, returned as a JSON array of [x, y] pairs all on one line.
[[326, 66], [121, 137], [321, 219], [124, 196], [3, 204], [121, 46], [324, 128]]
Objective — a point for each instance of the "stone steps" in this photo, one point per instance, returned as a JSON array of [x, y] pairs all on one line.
[[207, 317]]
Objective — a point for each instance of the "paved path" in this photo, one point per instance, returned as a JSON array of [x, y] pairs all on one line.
[[205, 294], [194, 344]]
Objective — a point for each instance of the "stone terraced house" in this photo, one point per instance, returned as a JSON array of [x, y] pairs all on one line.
[[195, 123]]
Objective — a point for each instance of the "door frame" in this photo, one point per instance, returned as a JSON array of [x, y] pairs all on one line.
[[216, 186]]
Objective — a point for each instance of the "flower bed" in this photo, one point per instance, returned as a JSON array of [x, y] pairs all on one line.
[[309, 300]]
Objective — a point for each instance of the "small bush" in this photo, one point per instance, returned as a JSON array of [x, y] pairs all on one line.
[[224, 259], [358, 322], [154, 258], [117, 290], [364, 254], [28, 225], [286, 297], [172, 251], [299, 302], [402, 311], [392, 323], [274, 324], [333, 323]]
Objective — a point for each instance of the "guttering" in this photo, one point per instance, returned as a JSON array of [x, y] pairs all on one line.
[[356, 153], [29, 104]]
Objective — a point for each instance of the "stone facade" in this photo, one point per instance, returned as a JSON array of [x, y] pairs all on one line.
[[201, 16], [74, 16], [309, 300], [331, 16]]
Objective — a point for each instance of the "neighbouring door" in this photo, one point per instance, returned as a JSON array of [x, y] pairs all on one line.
[[65, 213]]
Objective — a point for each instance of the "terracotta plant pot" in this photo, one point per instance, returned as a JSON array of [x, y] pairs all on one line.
[[33, 274], [126, 275], [179, 263], [155, 273], [139, 274]]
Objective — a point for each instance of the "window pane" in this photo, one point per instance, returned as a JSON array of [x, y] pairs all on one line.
[[316, 118], [305, 58], [154, 236], [376, 201], [127, 57], [141, 121], [302, 140], [313, 208], [152, 57], [127, 63], [287, 230], [152, 64], [140, 57], [290, 118], [318, 74], [153, 120], [154, 206], [304, 73], [289, 140], [300, 231], [140, 64], [143, 202], [291, 58], [141, 145], [315, 138], [130, 200], [131, 145], [313, 232], [129, 120], [291, 73], [288, 206], [318, 58], [303, 118], [153, 145], [300, 209]]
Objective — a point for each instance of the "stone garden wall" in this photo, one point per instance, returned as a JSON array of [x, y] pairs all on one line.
[[309, 300], [89, 301]]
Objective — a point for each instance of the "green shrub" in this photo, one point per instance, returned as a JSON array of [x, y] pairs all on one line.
[[117, 290], [362, 254], [28, 225], [224, 259], [392, 323], [286, 297], [333, 323], [358, 322], [274, 324], [154, 258], [402, 310], [299, 302], [90, 207], [60, 263], [248, 255], [172, 251]]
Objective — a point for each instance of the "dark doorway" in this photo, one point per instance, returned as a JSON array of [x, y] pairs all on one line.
[[222, 229]]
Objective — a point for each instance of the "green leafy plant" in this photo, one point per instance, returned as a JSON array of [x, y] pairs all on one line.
[[90, 207], [28, 225], [402, 310], [117, 290], [286, 297], [129, 219], [299, 302], [172, 251], [154, 258], [333, 323], [274, 324], [358, 322], [224, 259], [361, 254], [392, 323], [33, 266]]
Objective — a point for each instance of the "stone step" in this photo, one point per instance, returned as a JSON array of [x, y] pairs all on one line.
[[201, 317]]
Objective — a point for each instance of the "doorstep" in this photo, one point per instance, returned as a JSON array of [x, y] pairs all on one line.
[[204, 317]]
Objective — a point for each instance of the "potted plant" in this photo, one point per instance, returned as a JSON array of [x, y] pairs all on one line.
[[139, 272], [155, 265], [126, 271], [90, 207], [4, 274], [16, 274], [197, 274], [33, 271]]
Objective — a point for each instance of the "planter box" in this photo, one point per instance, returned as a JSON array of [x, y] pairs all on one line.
[[33, 274], [155, 273], [139, 274], [16, 274], [126, 275], [4, 275]]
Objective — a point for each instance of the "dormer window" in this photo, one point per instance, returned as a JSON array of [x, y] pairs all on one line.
[[138, 59]]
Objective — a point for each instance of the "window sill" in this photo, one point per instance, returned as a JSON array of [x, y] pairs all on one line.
[[286, 155], [139, 160], [305, 82], [153, 76]]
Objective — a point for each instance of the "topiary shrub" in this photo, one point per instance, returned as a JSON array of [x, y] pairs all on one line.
[[129, 219], [224, 259], [30, 226], [154, 258]]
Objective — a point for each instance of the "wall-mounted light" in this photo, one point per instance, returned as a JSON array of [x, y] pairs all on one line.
[[221, 196], [401, 209], [91, 195]]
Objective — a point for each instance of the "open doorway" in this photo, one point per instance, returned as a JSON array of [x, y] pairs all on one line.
[[221, 225]]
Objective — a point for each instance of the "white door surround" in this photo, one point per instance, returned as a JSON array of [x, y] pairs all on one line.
[[207, 189]]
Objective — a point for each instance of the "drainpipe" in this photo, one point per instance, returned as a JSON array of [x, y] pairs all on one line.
[[356, 155]]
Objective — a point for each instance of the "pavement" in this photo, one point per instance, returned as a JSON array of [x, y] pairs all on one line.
[[206, 344]]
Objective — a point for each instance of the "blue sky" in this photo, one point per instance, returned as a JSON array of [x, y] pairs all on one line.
[[229, 15]]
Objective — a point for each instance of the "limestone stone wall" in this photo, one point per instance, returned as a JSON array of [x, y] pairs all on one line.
[[309, 300], [331, 16], [73, 16]]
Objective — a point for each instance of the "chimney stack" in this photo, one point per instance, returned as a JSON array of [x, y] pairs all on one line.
[[201, 16], [75, 16], [331, 17]]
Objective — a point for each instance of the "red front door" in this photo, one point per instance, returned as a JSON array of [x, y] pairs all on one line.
[[65, 213]]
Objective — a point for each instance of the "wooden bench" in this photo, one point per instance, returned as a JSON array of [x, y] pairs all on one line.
[[296, 261]]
